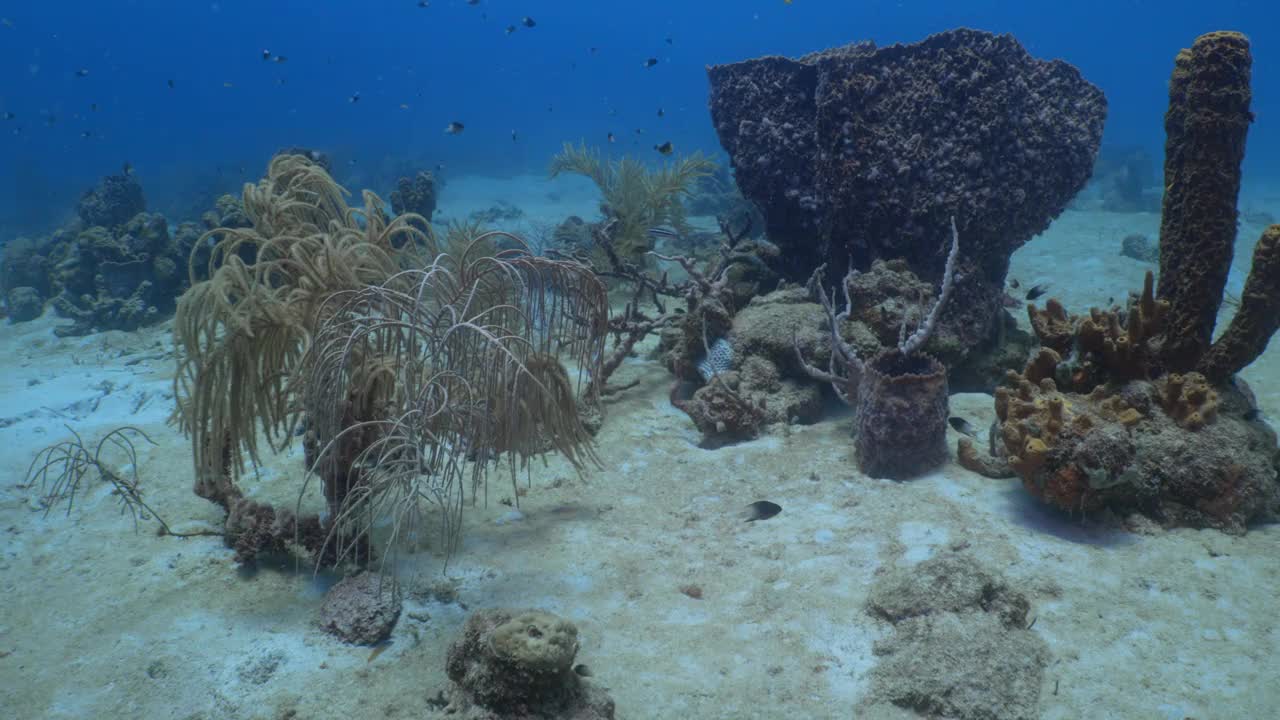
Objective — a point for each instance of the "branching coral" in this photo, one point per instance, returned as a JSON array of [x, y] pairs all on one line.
[[413, 385], [412, 366], [634, 196], [900, 394]]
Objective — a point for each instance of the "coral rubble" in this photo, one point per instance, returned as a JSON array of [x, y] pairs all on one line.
[[945, 608]]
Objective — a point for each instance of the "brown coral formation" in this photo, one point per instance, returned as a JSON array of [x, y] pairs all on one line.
[[1175, 448], [1134, 410], [1205, 129], [519, 664]]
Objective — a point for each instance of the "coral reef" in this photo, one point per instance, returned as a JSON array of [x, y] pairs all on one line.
[[227, 212], [417, 195], [945, 608], [1135, 410], [1173, 449], [852, 153], [512, 664], [900, 394], [115, 200], [117, 279], [361, 609]]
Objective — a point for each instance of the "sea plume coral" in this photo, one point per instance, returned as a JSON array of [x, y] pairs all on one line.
[[409, 365]]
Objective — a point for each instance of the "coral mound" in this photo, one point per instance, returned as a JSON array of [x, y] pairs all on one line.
[[519, 664], [947, 608], [115, 200]]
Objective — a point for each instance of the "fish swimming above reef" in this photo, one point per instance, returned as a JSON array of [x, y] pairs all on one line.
[[963, 426], [528, 22], [650, 62], [761, 510], [665, 148], [455, 128], [1037, 291]]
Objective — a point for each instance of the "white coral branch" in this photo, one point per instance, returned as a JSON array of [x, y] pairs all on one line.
[[922, 333]]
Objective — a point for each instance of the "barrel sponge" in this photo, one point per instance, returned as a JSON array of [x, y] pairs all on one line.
[[1205, 128]]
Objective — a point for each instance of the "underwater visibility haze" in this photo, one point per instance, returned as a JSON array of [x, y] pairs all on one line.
[[511, 359]]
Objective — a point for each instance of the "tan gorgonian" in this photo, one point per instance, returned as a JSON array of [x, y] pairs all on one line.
[[413, 366]]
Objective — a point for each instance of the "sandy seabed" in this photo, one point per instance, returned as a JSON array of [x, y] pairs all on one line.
[[103, 621]]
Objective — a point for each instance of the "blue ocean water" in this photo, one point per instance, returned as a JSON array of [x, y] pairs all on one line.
[[182, 92]]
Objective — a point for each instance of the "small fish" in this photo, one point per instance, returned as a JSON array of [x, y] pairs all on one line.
[[170, 83], [473, 2], [266, 55], [404, 106], [962, 426], [355, 98], [513, 136], [663, 231], [82, 72], [381, 647], [660, 112], [127, 168], [93, 107], [424, 4], [86, 134], [611, 137], [650, 62], [9, 116], [639, 131], [281, 59], [1037, 291], [439, 167], [1013, 283], [668, 40], [582, 670], [664, 148], [510, 29], [528, 22], [454, 128], [761, 510], [594, 50], [6, 22]]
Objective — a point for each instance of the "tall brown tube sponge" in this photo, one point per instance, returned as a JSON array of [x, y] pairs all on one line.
[[1205, 128], [1258, 317]]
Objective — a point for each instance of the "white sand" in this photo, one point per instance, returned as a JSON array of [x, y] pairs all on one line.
[[101, 622]]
